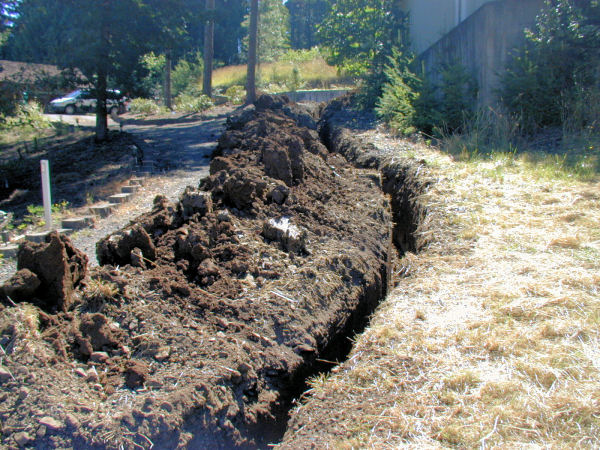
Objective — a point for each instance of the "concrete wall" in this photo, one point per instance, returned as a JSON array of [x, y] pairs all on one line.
[[482, 43], [315, 96], [430, 20]]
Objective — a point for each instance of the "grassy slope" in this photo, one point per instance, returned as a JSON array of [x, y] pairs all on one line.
[[493, 336], [278, 76]]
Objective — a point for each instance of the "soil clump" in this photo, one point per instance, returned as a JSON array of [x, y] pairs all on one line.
[[207, 314]]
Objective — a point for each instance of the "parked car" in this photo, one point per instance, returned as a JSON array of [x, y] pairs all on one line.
[[84, 100]]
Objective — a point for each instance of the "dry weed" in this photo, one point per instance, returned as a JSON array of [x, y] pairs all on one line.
[[492, 337]]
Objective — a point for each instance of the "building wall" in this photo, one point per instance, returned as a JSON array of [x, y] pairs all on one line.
[[483, 41], [430, 20]]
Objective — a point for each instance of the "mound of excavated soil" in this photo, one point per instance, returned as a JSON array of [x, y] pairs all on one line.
[[208, 314]]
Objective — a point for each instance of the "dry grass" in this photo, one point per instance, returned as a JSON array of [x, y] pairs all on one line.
[[492, 338], [279, 76]]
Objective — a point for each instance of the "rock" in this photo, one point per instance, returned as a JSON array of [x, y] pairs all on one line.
[[224, 216], [22, 285], [194, 201], [279, 193], [51, 423], [59, 266], [162, 353], [4, 375], [92, 375], [41, 432], [23, 439], [136, 373], [99, 357], [290, 236], [244, 367], [71, 421], [80, 372], [116, 248]]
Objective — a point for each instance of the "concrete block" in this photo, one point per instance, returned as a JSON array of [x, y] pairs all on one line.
[[102, 210], [9, 251], [78, 223], [129, 189], [119, 198]]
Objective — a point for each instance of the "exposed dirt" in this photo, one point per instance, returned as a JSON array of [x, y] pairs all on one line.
[[208, 313]]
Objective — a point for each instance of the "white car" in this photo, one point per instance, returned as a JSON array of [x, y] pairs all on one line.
[[84, 100]]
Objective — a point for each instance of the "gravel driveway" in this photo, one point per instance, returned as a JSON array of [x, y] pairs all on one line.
[[181, 146]]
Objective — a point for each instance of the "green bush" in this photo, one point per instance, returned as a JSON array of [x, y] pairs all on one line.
[[28, 116], [396, 106], [192, 103], [144, 107], [546, 77], [186, 73], [411, 102], [236, 95]]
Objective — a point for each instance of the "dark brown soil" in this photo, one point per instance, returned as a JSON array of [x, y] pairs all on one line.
[[207, 314]]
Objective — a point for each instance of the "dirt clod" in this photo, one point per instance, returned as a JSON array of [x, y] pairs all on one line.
[[58, 265], [136, 373], [22, 285], [116, 248]]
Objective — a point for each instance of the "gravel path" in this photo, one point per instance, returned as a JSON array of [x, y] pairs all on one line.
[[181, 146]]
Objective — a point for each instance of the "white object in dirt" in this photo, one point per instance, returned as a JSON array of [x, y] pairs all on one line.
[[45, 167], [291, 237]]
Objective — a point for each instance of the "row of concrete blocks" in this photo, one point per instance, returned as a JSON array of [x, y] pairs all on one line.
[[72, 224]]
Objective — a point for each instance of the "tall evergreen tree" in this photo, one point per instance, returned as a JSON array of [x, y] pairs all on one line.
[[305, 16], [360, 34]]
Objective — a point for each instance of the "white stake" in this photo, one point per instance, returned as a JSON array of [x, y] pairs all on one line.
[[46, 193]]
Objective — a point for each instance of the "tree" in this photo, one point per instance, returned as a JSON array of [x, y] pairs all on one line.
[[40, 31], [7, 16], [555, 72], [252, 52], [209, 33], [273, 32], [305, 16], [361, 33]]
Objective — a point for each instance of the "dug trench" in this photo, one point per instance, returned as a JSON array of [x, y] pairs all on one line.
[[207, 315]]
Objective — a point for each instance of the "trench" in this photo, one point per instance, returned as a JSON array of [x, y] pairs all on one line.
[[400, 182]]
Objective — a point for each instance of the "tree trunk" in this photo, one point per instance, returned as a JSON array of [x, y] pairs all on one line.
[[209, 33], [168, 66], [252, 52], [101, 82]]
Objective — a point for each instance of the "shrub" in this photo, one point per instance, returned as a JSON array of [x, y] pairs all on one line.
[[186, 73], [192, 103], [545, 78], [236, 95], [144, 107], [396, 106], [409, 101], [28, 116]]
